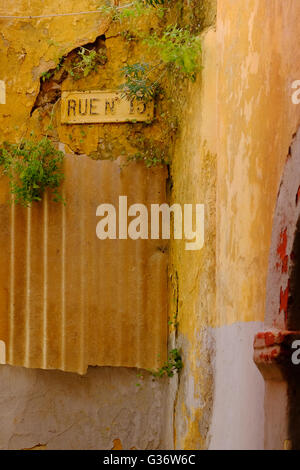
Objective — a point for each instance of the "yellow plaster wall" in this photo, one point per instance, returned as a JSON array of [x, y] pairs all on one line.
[[192, 273], [31, 47], [258, 59], [106, 405], [239, 124]]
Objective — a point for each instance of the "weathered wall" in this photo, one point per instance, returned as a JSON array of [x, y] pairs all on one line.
[[238, 123], [56, 409], [194, 293], [258, 60], [192, 274], [273, 351], [62, 410]]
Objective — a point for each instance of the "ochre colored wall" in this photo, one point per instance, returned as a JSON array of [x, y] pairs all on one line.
[[259, 58], [44, 42], [238, 123], [107, 405], [221, 291], [192, 273]]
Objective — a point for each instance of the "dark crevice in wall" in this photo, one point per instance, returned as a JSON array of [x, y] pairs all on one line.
[[293, 318], [51, 81]]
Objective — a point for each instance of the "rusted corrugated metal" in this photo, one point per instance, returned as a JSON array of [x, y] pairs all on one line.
[[68, 299]]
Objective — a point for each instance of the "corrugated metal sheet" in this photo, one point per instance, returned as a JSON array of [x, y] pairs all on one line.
[[68, 299]]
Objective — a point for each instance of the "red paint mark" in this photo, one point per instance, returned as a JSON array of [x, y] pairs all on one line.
[[284, 297], [269, 338], [280, 337], [298, 196], [268, 356], [285, 264], [281, 251]]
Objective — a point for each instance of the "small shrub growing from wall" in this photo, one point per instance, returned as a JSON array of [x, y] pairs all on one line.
[[32, 167]]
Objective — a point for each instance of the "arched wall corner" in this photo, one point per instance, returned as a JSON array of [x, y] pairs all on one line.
[[273, 347]]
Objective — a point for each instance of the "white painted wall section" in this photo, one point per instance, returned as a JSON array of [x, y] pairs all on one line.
[[238, 406]]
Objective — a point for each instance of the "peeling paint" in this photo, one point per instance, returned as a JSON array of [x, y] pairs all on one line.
[[281, 251], [192, 276]]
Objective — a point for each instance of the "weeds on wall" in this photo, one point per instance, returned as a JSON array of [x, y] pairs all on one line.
[[172, 365], [137, 83], [176, 48], [133, 9], [151, 152], [177, 52], [82, 64], [151, 157], [85, 62], [175, 55], [50, 73], [32, 168]]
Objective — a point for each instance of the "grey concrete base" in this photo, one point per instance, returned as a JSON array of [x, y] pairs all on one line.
[[67, 411]]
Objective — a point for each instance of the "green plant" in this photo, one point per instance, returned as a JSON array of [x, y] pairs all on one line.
[[128, 35], [174, 321], [173, 365], [138, 85], [150, 157], [132, 10], [49, 73], [178, 48], [151, 153], [86, 61], [139, 377], [32, 167]]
